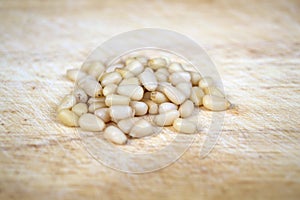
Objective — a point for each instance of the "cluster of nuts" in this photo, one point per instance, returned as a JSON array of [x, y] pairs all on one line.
[[115, 99]]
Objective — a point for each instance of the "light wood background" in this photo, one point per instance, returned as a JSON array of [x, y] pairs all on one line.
[[256, 48]]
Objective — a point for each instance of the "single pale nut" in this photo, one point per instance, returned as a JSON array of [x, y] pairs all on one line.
[[175, 67], [91, 87], [167, 106], [179, 77], [156, 63], [103, 113], [67, 102], [206, 82], [195, 78], [141, 128], [148, 79], [114, 99], [167, 118], [215, 103], [126, 124], [109, 89], [186, 109], [114, 135], [80, 95], [213, 91], [152, 107], [158, 97], [140, 108], [119, 112], [68, 118], [110, 78], [90, 122], [135, 67], [184, 126], [80, 109], [175, 95], [196, 96]]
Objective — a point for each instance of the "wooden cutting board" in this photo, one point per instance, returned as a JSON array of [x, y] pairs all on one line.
[[255, 46]]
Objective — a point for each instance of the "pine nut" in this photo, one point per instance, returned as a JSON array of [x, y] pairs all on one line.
[[135, 67], [185, 88], [120, 112], [115, 135], [111, 78], [80, 95], [158, 97], [167, 118], [91, 87], [186, 109], [109, 89], [114, 99], [125, 73], [215, 103], [126, 124], [179, 77], [80, 109], [165, 107], [148, 79], [139, 107], [67, 102], [96, 69], [90, 122], [156, 63], [67, 117], [75, 74], [103, 113], [135, 92], [130, 81], [175, 67], [95, 106], [195, 78], [141, 128], [206, 82], [175, 95], [184, 126], [213, 91], [152, 107], [196, 96]]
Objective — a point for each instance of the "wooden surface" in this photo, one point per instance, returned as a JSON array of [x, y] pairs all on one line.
[[256, 47]]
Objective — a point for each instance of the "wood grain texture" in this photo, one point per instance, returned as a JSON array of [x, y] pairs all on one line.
[[256, 47]]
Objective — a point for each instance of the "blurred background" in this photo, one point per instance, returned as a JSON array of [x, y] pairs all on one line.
[[255, 46]]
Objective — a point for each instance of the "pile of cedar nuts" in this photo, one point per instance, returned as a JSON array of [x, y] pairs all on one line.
[[115, 99]]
